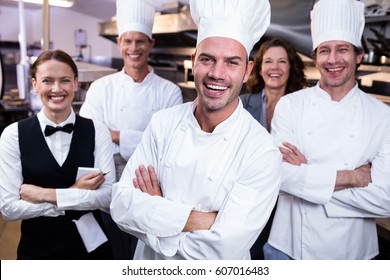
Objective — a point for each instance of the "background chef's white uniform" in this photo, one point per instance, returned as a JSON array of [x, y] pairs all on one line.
[[312, 221], [124, 105], [234, 170]]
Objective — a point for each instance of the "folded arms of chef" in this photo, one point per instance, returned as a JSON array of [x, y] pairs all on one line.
[[372, 201], [316, 181], [160, 223]]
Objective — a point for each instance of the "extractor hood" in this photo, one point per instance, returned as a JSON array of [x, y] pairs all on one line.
[[173, 29]]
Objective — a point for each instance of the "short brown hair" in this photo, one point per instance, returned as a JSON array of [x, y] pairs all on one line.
[[56, 55]]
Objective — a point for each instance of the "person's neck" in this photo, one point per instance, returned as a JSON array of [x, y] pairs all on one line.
[[339, 92], [57, 117], [274, 94], [208, 120], [138, 74]]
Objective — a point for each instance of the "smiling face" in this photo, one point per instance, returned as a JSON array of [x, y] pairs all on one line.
[[135, 48], [275, 68], [336, 61], [220, 67], [56, 84]]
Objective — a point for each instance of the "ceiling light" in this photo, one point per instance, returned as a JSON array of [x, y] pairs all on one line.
[[58, 3]]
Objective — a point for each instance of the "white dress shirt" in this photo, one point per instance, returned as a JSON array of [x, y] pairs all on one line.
[[235, 170], [312, 221], [13, 208], [124, 105]]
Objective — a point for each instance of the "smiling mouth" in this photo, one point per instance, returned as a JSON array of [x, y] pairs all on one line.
[[134, 56], [215, 87], [334, 70], [275, 75], [57, 98]]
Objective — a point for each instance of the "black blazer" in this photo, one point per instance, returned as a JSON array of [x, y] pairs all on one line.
[[253, 103]]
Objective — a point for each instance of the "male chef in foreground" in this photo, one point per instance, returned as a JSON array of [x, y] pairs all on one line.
[[206, 174]]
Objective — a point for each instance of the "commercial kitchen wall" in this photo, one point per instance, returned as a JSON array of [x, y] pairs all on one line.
[[63, 24]]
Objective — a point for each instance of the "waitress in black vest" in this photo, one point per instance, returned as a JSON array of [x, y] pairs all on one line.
[[39, 162]]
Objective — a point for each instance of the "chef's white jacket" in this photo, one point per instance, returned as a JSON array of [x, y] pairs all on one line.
[[11, 178], [124, 105], [312, 221], [235, 170]]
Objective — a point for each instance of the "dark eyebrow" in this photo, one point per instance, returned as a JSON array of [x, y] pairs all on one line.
[[343, 46], [236, 57], [206, 54]]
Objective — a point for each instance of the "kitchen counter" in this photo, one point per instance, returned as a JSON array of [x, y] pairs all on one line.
[[91, 72]]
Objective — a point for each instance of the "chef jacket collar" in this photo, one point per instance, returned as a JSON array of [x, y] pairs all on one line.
[[225, 126], [322, 94], [128, 79]]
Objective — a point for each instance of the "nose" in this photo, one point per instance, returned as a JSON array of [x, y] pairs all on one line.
[[274, 65], [217, 71], [332, 58], [56, 87], [133, 46]]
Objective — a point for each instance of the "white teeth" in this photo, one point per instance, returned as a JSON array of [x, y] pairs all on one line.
[[274, 75], [56, 98], [335, 69], [214, 87], [134, 55]]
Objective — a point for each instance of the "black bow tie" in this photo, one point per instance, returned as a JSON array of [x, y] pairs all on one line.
[[49, 130]]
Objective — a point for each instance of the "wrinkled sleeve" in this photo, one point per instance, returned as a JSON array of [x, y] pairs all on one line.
[[150, 218], [372, 201], [244, 213], [80, 199], [12, 207], [129, 140], [311, 182]]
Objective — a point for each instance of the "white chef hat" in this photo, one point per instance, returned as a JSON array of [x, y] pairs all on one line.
[[337, 20], [242, 20], [135, 15]]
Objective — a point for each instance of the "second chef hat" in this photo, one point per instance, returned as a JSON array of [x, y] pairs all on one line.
[[135, 15], [242, 20], [337, 20]]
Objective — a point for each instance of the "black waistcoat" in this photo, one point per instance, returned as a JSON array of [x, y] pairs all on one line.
[[53, 237]]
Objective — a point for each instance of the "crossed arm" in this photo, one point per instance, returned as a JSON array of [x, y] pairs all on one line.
[[37, 194], [357, 178], [146, 180]]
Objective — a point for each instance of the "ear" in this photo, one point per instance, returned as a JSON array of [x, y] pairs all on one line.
[[76, 84], [118, 42], [248, 70], [153, 42], [193, 59], [34, 84], [359, 57]]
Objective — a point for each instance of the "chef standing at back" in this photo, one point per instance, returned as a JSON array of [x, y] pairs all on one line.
[[125, 101]]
